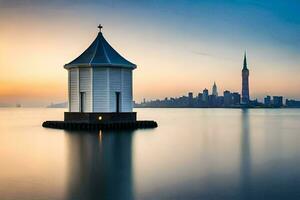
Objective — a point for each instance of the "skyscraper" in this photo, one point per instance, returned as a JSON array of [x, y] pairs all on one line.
[[227, 98], [267, 101], [190, 98], [277, 101], [245, 82], [236, 98], [215, 90], [205, 95]]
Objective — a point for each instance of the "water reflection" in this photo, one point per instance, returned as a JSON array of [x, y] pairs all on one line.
[[207, 154], [100, 165], [245, 164]]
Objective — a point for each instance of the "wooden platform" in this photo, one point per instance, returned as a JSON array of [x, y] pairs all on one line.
[[99, 126]]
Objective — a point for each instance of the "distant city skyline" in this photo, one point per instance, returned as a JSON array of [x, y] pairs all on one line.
[[230, 99], [178, 46]]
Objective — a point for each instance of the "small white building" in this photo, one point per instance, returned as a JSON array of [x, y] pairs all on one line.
[[100, 84]]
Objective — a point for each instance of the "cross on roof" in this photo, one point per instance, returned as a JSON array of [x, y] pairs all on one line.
[[100, 27]]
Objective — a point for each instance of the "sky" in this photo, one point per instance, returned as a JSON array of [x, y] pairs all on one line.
[[179, 46]]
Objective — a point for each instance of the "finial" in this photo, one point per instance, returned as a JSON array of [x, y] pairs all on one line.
[[100, 27]]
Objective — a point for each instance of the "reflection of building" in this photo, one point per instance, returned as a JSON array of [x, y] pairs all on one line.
[[100, 166], [245, 82], [245, 156], [100, 81]]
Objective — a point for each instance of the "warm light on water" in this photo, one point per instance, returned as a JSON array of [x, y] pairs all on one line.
[[193, 154]]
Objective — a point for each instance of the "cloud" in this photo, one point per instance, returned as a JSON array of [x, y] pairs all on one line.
[[202, 53]]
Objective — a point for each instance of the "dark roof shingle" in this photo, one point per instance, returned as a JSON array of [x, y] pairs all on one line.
[[100, 54]]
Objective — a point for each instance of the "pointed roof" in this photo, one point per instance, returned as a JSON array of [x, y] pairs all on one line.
[[215, 89], [245, 61], [100, 54]]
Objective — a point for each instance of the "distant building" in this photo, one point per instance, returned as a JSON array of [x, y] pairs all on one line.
[[227, 98], [220, 101], [292, 103], [100, 83], [267, 101], [205, 96], [199, 100], [255, 103], [245, 82], [190, 96], [236, 98], [200, 96], [212, 100], [215, 90], [277, 101], [58, 105]]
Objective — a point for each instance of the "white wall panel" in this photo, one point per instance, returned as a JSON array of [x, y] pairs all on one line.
[[100, 86], [100, 90], [114, 86], [73, 90], [126, 90], [85, 85]]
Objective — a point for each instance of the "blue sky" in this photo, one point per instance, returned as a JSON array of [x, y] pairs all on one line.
[[187, 44]]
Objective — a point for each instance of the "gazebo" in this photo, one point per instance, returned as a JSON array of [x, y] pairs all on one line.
[[100, 85]]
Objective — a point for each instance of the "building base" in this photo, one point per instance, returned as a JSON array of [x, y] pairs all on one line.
[[100, 117], [99, 121], [99, 126]]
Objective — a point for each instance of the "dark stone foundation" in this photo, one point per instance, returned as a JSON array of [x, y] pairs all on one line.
[[100, 117], [99, 126], [99, 121]]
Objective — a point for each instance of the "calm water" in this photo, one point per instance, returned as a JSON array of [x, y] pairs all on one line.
[[193, 154]]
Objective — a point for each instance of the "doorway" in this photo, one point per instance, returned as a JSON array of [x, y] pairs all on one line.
[[118, 95], [82, 102]]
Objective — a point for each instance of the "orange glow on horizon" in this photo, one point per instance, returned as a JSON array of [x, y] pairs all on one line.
[[32, 55]]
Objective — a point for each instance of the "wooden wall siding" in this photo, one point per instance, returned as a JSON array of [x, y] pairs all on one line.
[[100, 90], [126, 90], [100, 86], [114, 86], [85, 85], [73, 90]]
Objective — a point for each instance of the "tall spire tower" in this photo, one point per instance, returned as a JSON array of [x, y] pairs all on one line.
[[245, 82], [215, 90]]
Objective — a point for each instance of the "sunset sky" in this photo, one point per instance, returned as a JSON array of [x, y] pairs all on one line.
[[178, 45]]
